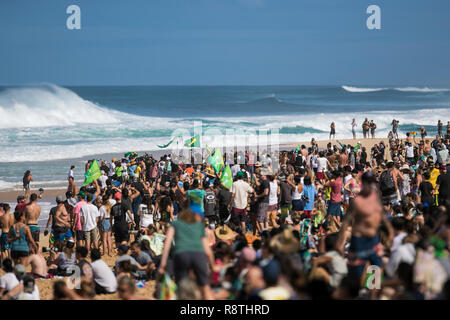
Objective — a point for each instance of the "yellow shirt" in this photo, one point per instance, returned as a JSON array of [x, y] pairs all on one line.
[[434, 174]]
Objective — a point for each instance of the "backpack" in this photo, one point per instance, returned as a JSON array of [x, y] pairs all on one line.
[[387, 185]]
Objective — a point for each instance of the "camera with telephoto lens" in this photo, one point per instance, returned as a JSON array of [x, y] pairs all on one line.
[[47, 249]]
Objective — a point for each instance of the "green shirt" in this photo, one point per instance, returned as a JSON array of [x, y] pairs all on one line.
[[196, 196], [188, 236]]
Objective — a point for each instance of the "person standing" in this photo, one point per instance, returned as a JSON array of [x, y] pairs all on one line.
[[32, 212], [332, 131], [20, 238], [423, 132], [27, 178], [240, 191], [89, 217], [395, 128], [6, 221], [439, 127], [354, 128], [365, 127], [372, 126]]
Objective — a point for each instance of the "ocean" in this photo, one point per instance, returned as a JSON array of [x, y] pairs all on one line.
[[46, 128]]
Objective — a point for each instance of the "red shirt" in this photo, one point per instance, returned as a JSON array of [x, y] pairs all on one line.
[[21, 206], [336, 190]]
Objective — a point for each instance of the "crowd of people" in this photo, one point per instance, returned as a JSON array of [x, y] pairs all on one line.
[[340, 222]]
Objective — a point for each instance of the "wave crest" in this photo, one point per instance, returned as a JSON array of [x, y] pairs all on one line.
[[48, 105]]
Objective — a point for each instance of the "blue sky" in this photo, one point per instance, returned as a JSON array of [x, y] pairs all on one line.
[[215, 42]]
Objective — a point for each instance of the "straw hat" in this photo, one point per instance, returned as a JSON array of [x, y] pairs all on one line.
[[285, 242], [224, 233]]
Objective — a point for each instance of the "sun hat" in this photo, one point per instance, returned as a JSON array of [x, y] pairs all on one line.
[[224, 233], [405, 167], [285, 242], [258, 164]]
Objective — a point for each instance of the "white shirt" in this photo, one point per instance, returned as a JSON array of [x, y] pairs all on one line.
[[70, 174], [145, 215], [240, 189], [321, 164], [111, 170], [103, 179], [8, 281], [104, 276], [409, 151], [103, 213], [273, 193], [90, 214]]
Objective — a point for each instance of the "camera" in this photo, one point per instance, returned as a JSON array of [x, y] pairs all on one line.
[[47, 249]]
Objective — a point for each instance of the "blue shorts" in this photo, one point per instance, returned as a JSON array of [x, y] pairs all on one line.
[[4, 245], [62, 236], [297, 205], [334, 208], [105, 225], [361, 251]]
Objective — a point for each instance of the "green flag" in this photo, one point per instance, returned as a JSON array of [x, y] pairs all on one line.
[[167, 144], [216, 160], [357, 147], [92, 174], [226, 179], [298, 149], [208, 149], [193, 142]]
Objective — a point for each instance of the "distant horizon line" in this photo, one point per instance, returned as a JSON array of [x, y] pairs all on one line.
[[225, 85]]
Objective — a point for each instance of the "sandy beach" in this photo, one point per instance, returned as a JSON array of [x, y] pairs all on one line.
[[46, 285]]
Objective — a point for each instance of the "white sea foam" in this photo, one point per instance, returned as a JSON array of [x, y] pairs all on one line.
[[49, 105], [425, 89], [361, 90]]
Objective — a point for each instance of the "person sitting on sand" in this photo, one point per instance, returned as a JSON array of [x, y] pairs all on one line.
[[38, 265]]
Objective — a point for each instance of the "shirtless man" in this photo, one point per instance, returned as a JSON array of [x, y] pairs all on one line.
[[343, 158], [6, 221], [38, 265], [62, 223], [32, 212], [365, 215]]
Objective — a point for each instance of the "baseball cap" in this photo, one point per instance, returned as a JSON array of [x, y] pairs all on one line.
[[81, 194], [20, 198], [240, 174], [123, 248], [117, 196], [59, 199], [271, 272]]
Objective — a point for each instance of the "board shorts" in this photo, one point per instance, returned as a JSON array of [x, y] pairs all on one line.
[[4, 244], [272, 211], [361, 251], [261, 214], [239, 215], [285, 210], [80, 235], [334, 208], [35, 232], [297, 205], [60, 234], [308, 213]]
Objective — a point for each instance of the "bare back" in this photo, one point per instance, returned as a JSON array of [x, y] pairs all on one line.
[[32, 213]]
